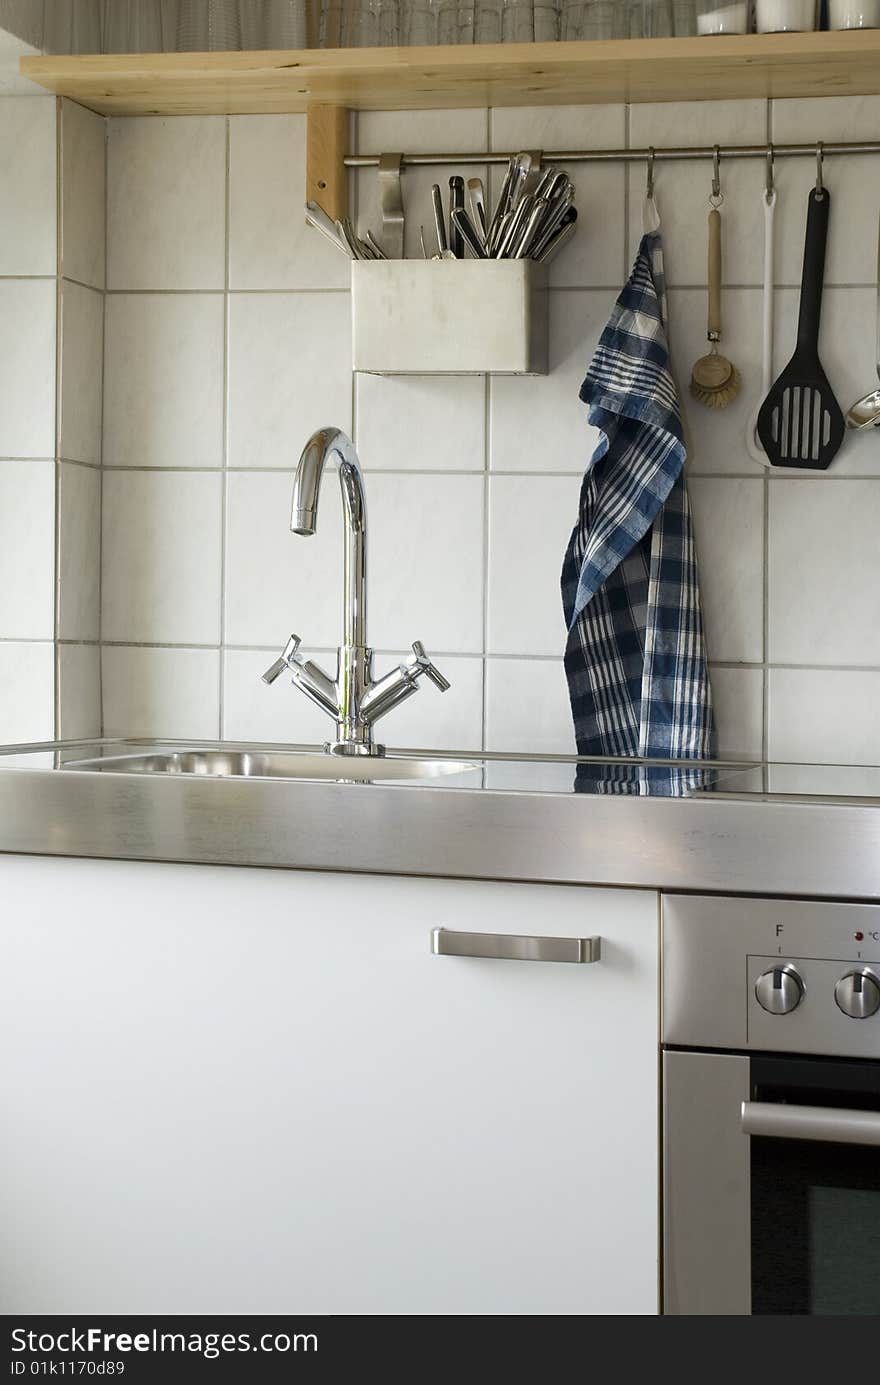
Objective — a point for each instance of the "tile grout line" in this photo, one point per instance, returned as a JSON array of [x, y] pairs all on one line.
[[626, 195], [393, 651], [105, 130], [80, 284], [352, 189], [765, 578], [56, 557], [224, 490], [487, 466], [792, 477]]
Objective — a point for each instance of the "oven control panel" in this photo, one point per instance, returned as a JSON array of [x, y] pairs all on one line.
[[778, 975], [813, 1004]]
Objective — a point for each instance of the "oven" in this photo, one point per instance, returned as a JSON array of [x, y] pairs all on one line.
[[771, 1107]]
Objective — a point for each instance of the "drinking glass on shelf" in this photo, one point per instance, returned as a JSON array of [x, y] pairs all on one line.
[[546, 20], [684, 18], [447, 21], [466, 20], [571, 19], [74, 27], [604, 19], [420, 24], [517, 21], [722, 16], [487, 22], [360, 26], [284, 23], [650, 18], [785, 16], [854, 14], [205, 26], [131, 26], [387, 14], [331, 24]]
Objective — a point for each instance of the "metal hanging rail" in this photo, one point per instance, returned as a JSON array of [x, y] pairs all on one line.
[[659, 155]]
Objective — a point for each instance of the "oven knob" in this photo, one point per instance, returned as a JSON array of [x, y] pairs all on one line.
[[779, 991], [858, 994]]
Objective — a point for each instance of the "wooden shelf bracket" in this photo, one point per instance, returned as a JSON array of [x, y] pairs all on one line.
[[326, 149]]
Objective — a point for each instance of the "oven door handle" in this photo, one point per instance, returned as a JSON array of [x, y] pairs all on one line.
[[829, 1123]]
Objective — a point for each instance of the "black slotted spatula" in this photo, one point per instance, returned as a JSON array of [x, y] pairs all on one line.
[[800, 422]]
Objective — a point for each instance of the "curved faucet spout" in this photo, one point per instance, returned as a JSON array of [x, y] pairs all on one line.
[[326, 445], [353, 673], [353, 699]]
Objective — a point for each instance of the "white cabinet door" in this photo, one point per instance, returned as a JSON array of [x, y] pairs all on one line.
[[255, 1091]]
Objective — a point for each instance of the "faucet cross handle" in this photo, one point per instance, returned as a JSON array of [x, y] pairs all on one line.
[[423, 664], [288, 654]]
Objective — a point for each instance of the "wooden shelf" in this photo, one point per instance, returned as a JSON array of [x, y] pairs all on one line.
[[692, 69]]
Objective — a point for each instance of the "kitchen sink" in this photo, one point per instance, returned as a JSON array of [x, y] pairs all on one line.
[[259, 764]]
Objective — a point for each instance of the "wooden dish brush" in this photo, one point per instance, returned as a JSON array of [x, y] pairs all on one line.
[[715, 381]]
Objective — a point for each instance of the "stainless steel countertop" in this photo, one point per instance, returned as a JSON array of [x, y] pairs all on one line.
[[512, 819]]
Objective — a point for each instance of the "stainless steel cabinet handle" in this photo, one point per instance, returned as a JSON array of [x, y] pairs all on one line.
[[514, 948], [811, 1123]]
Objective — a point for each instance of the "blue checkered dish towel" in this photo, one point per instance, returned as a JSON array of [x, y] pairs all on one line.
[[635, 657]]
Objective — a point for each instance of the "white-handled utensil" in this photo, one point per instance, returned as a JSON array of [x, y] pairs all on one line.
[[477, 203], [317, 217], [753, 442], [865, 413]]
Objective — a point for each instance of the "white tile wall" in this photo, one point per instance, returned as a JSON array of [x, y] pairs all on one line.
[[166, 201], [27, 186], [161, 557], [83, 194], [289, 373], [27, 692], [530, 523], [537, 423], [79, 552], [161, 692], [527, 707], [82, 366], [28, 295], [163, 380], [426, 562], [27, 379], [823, 595], [79, 691], [738, 695], [277, 582], [472, 484], [27, 550], [451, 414], [271, 246], [825, 716], [729, 521]]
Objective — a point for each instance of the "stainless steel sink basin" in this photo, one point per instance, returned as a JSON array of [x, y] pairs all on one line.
[[275, 764]]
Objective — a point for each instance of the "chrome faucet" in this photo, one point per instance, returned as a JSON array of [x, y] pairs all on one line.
[[352, 699]]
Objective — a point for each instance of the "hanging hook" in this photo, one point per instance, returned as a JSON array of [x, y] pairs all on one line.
[[769, 189], [649, 185], [717, 196], [820, 155]]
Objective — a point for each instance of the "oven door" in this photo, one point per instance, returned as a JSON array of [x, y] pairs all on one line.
[[772, 1185]]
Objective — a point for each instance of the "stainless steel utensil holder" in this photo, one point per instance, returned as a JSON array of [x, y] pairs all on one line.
[[449, 317]]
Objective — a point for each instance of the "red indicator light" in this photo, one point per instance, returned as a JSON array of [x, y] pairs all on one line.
[[858, 937]]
